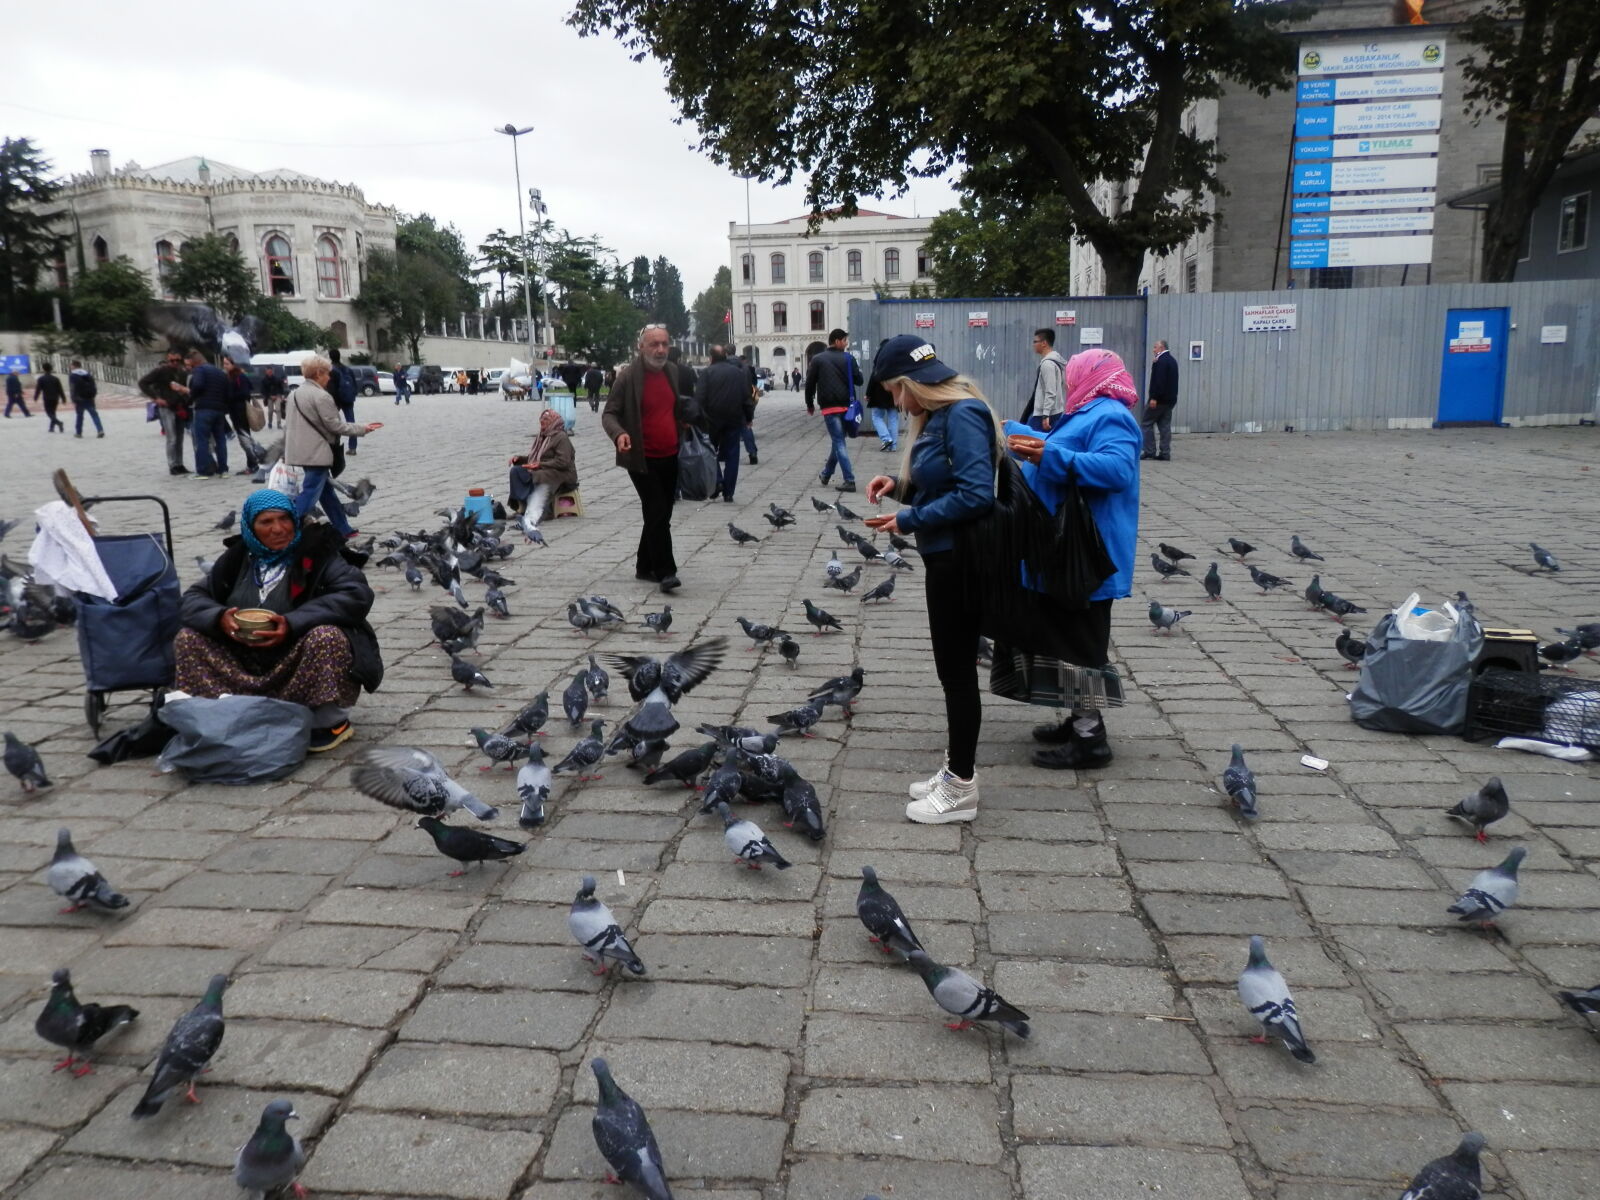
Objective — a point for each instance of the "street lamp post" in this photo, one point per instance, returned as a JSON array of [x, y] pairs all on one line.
[[536, 202], [514, 133]]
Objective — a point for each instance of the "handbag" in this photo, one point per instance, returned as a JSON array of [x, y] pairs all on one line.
[[852, 413], [255, 415], [1048, 682], [336, 444]]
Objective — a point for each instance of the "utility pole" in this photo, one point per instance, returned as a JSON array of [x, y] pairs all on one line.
[[536, 202], [750, 253], [514, 133]]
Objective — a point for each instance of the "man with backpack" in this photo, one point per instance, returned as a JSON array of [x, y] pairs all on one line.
[[342, 387], [83, 391], [723, 393], [833, 380]]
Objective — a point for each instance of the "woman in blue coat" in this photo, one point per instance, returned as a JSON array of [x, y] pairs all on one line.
[[1098, 441]]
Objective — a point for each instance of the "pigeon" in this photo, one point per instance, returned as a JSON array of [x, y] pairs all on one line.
[[821, 619], [842, 690], [1561, 652], [496, 580], [1239, 781], [467, 675], [7, 526], [839, 507], [273, 1157], [1543, 557], [468, 845], [1266, 996], [815, 503], [227, 520], [1266, 582], [790, 649], [1586, 1002], [899, 543], [77, 1027], [804, 810], [1467, 606], [1213, 585], [658, 685], [497, 747], [194, 1038], [835, 568], [530, 530], [964, 998], [883, 591], [531, 719], [414, 577], [580, 621], [897, 561], [597, 680], [848, 536], [1241, 548], [585, 754], [778, 517], [1587, 636], [23, 761], [844, 583], [596, 930], [1302, 551], [1455, 1176], [624, 1139], [1165, 569], [1172, 552], [986, 651], [1483, 807], [661, 621], [880, 913], [1351, 649], [75, 879], [1338, 607], [413, 780], [575, 700], [738, 737], [1491, 892], [1314, 592], [740, 536], [748, 844], [191, 324], [495, 600], [1165, 618], [686, 767], [868, 551], [533, 788], [449, 624], [204, 566], [724, 786], [759, 634], [801, 718]]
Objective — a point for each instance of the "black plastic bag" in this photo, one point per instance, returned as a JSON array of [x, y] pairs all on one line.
[[1413, 686], [144, 740], [235, 739], [697, 466]]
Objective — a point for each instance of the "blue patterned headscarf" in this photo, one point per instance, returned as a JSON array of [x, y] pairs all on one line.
[[256, 503]]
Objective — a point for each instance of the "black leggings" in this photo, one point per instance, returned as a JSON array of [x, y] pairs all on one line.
[[953, 619]]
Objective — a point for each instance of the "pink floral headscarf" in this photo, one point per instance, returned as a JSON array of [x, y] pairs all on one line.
[[1098, 373]]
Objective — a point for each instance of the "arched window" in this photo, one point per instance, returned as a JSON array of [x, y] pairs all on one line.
[[328, 283], [747, 268], [814, 266], [780, 317], [280, 266], [341, 334], [166, 259], [891, 263], [817, 321], [231, 240], [852, 265], [102, 251], [780, 272], [749, 317], [924, 262]]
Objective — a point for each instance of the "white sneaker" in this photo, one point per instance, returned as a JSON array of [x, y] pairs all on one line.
[[951, 799], [921, 789]]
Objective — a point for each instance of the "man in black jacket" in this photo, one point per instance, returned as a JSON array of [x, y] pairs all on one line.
[[723, 394], [84, 392], [342, 387], [832, 380], [165, 386], [1163, 399], [47, 388], [210, 395]]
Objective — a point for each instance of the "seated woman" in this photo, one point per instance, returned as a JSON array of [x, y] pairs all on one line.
[[550, 466], [319, 650]]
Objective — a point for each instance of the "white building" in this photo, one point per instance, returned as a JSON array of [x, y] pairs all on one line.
[[307, 238], [791, 286]]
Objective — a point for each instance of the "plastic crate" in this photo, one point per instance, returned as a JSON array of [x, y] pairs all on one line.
[[1537, 705]]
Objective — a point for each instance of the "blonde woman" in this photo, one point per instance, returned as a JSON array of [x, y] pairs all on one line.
[[946, 478]]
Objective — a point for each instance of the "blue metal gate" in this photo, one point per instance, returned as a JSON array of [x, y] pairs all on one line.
[[1472, 379]]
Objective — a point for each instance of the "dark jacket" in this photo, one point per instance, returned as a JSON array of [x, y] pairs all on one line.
[[272, 385], [210, 390], [952, 474], [593, 379], [13, 387], [622, 411], [829, 379], [158, 386], [325, 588], [48, 389], [1164, 379], [342, 385], [239, 392], [723, 394], [83, 386]]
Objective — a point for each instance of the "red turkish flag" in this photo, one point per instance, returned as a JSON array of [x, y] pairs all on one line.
[[727, 316]]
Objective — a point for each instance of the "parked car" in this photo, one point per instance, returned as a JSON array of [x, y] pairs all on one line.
[[386, 383], [491, 379], [449, 374], [425, 379], [366, 381]]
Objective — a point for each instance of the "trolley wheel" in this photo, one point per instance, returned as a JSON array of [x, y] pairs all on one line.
[[94, 707]]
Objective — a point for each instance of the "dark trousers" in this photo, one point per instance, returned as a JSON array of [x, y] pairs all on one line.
[[953, 619], [657, 486], [93, 413], [1158, 417], [747, 434], [239, 418], [14, 400], [210, 441], [55, 422], [349, 411], [728, 459]]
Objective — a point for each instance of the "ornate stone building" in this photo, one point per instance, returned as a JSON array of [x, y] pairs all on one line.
[[308, 239]]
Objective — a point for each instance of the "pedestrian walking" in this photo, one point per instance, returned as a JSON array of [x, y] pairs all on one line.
[[311, 438], [1044, 404], [831, 383], [210, 396], [402, 388], [747, 434], [794, 380], [14, 393], [886, 420], [82, 387], [593, 380], [1163, 399], [166, 388], [239, 396], [642, 417], [272, 393], [47, 388], [342, 387], [723, 395]]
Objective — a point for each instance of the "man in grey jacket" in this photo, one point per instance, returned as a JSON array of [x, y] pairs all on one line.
[[1048, 388], [314, 426]]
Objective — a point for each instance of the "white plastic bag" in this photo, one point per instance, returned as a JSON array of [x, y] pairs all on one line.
[[286, 479], [1416, 624]]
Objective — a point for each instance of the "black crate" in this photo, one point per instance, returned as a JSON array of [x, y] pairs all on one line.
[[1540, 705]]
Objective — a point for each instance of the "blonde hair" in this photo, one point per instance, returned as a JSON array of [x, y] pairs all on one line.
[[930, 398], [313, 363]]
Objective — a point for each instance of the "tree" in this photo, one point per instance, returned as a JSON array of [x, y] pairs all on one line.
[[423, 237], [402, 289], [106, 309], [641, 289], [1032, 99], [27, 242], [212, 271], [996, 248], [503, 254], [601, 327], [1532, 68], [712, 306], [283, 330], [667, 283]]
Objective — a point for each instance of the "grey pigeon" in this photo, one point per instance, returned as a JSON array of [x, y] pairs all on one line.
[[1337, 606], [883, 591], [1483, 807], [468, 845], [497, 747], [758, 633], [1240, 783], [686, 767], [23, 761], [1165, 569], [986, 651], [273, 1157], [597, 680], [880, 912], [595, 929], [1455, 1176], [1351, 648], [821, 618], [740, 737], [1241, 548], [1173, 552], [897, 561], [1302, 551], [194, 1038], [804, 810], [842, 690], [530, 530], [204, 566], [531, 719], [835, 568], [848, 536], [839, 507], [747, 843], [1314, 592], [533, 788], [790, 649], [1491, 892], [722, 788], [844, 583], [1561, 652], [1587, 636], [815, 503], [1213, 584], [623, 1137], [585, 754], [575, 700], [467, 675], [799, 719], [661, 621], [1266, 997], [1165, 618], [964, 998], [778, 517], [413, 780], [495, 600], [75, 879], [227, 520], [580, 620], [867, 550], [1543, 557], [657, 685], [1266, 582], [1586, 1002], [77, 1027], [740, 536], [414, 577]]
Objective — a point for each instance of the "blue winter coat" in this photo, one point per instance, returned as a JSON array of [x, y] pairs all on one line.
[[952, 474], [1101, 443]]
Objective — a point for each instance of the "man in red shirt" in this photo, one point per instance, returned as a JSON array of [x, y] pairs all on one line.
[[642, 417]]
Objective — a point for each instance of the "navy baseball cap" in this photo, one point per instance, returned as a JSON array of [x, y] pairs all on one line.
[[906, 356]]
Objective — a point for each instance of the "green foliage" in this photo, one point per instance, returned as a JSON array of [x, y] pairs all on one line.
[[711, 305], [1030, 99], [1001, 248], [211, 271], [602, 327], [1532, 67], [422, 237], [27, 242], [107, 309], [283, 330], [574, 265], [52, 345], [667, 283], [640, 288], [428, 274]]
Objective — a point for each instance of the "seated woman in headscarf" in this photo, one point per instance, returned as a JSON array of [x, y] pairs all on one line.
[[317, 649], [550, 466]]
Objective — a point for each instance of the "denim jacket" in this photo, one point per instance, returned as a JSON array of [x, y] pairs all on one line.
[[952, 474]]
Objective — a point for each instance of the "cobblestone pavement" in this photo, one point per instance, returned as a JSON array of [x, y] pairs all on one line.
[[433, 1032]]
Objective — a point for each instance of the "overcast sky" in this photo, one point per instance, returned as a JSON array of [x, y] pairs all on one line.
[[399, 98]]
